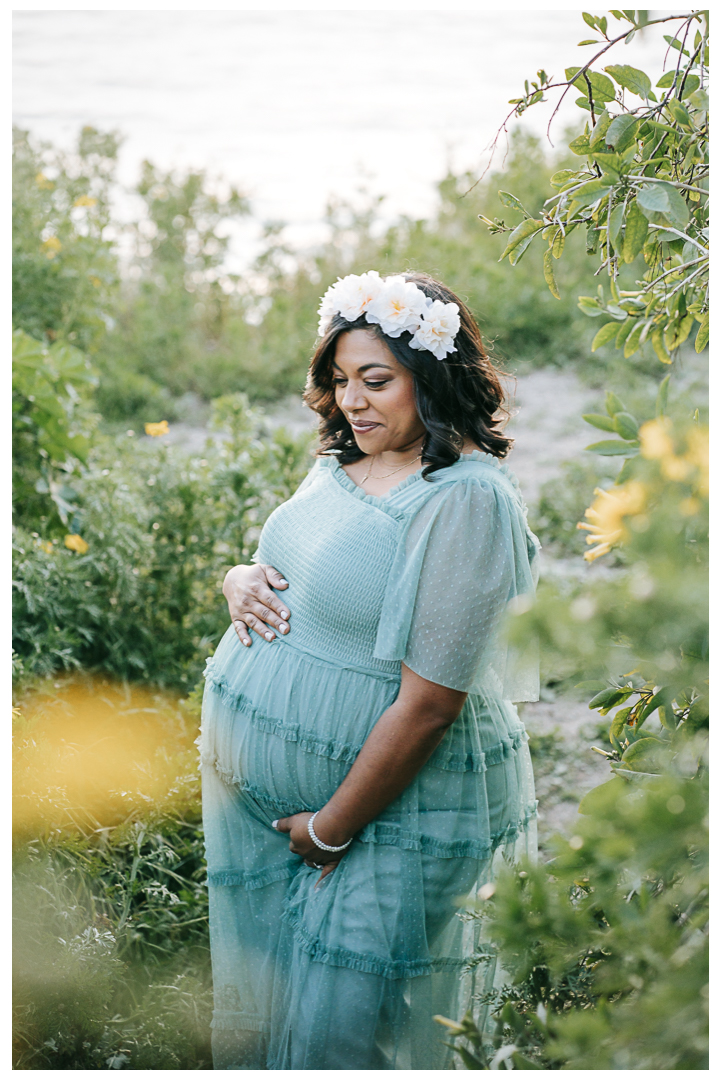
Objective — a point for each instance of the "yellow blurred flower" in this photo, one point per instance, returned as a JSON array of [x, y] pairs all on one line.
[[698, 454], [85, 200], [76, 543], [46, 546], [656, 443], [606, 516], [51, 247], [157, 429], [42, 181]]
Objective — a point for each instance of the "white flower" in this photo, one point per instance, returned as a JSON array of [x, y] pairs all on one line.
[[350, 297], [436, 333], [398, 307]]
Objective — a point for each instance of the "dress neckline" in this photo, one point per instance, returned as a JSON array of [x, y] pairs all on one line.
[[382, 500]]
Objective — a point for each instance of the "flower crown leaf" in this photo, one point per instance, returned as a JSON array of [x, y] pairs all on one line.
[[397, 306]]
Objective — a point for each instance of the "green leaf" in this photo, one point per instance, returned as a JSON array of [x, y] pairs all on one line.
[[615, 224], [509, 200], [571, 72], [627, 471], [698, 714], [605, 423], [622, 132], [675, 44], [610, 448], [632, 341], [600, 798], [679, 113], [658, 344], [661, 198], [589, 20], [602, 87], [590, 685], [666, 81], [597, 135], [605, 334], [692, 82], [589, 306], [559, 179], [549, 273], [589, 41], [608, 697], [700, 100], [642, 752], [662, 396], [703, 334], [613, 404], [636, 230], [632, 79], [667, 717], [618, 723], [558, 244], [580, 145], [662, 697], [591, 192], [626, 426], [524, 231]]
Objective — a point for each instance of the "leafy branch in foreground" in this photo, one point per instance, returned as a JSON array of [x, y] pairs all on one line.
[[642, 188]]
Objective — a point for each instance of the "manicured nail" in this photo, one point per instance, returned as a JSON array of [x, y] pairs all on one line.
[[246, 641], [283, 581], [269, 636], [283, 628], [274, 824], [285, 614]]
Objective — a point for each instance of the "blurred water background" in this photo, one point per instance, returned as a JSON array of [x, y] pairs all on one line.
[[293, 106]]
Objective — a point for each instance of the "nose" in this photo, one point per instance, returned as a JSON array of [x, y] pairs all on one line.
[[353, 399]]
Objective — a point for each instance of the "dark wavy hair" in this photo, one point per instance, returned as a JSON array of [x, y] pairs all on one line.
[[458, 398]]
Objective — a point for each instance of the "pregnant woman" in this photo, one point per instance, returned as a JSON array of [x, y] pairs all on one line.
[[363, 766]]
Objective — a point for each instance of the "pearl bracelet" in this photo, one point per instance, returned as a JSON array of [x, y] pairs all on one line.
[[318, 843]]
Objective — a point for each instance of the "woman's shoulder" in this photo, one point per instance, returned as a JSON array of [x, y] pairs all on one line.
[[477, 468]]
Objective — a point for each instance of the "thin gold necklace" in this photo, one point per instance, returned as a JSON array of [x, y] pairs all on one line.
[[392, 472]]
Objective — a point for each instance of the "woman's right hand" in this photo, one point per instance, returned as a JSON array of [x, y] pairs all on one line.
[[252, 604]]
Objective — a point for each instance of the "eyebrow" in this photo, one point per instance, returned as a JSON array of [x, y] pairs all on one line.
[[366, 367]]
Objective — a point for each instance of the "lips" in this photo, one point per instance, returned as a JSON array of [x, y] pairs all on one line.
[[362, 427]]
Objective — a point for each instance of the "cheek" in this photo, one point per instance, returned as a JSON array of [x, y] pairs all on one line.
[[402, 405]]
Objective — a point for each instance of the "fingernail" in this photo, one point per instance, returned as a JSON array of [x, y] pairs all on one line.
[[246, 641], [274, 824], [285, 614], [269, 636], [283, 581], [283, 628]]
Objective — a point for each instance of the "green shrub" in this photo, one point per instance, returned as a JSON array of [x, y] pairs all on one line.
[[606, 947], [156, 531]]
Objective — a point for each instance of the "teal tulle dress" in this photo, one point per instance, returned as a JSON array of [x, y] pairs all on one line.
[[349, 975]]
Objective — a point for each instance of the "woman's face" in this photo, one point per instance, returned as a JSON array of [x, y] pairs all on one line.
[[375, 393]]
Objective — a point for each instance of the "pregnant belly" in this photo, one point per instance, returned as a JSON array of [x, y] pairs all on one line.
[[286, 726]]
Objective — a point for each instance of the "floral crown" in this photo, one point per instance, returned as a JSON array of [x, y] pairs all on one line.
[[396, 305]]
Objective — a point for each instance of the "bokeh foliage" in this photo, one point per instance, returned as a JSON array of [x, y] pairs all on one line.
[[606, 947]]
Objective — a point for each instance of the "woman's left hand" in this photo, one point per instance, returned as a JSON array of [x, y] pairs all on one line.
[[301, 844]]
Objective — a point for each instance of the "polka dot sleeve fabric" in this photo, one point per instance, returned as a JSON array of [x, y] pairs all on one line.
[[467, 556]]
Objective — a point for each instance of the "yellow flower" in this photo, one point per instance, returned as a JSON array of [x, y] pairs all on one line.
[[46, 546], [698, 454], [42, 181], [76, 543], [85, 200], [51, 247], [655, 440], [157, 429], [606, 523]]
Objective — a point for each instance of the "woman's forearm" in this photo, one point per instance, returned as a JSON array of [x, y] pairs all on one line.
[[396, 749]]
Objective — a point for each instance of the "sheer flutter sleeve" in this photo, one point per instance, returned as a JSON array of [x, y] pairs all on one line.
[[466, 559]]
